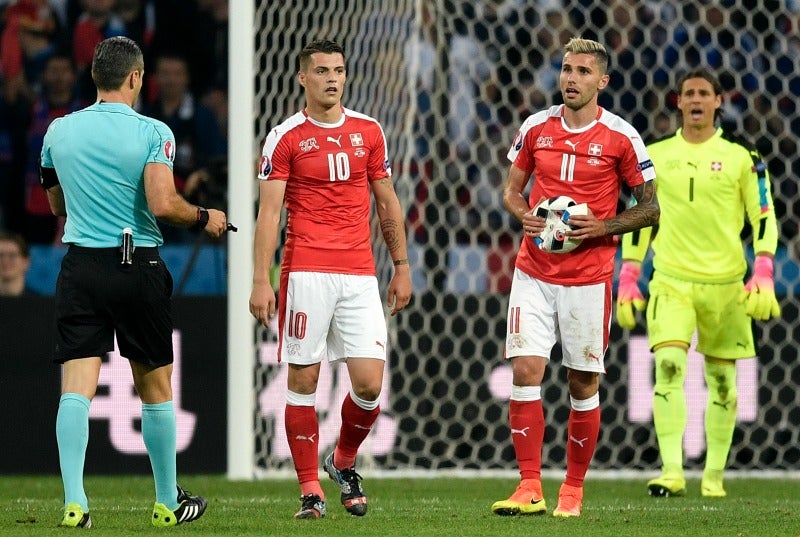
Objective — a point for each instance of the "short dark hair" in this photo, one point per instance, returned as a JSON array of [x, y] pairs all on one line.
[[706, 75], [703, 73], [325, 46], [114, 59], [18, 240]]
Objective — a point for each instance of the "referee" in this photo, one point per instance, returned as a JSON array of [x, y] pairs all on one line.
[[108, 169]]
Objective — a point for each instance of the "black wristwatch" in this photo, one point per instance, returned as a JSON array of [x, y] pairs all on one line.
[[202, 219]]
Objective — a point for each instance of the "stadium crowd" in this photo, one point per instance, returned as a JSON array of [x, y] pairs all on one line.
[[47, 48], [502, 58]]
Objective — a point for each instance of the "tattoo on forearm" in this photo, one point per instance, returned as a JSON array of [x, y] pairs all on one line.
[[644, 214], [391, 235]]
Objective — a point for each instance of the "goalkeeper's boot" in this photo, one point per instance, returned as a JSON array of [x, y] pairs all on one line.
[[526, 500], [311, 507], [711, 484], [353, 497], [570, 500], [74, 517], [189, 508], [667, 485]]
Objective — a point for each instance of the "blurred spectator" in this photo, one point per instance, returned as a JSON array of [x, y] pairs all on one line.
[[419, 57], [97, 22], [13, 121], [15, 260], [57, 98], [26, 42], [469, 70], [158, 27], [209, 57], [139, 19], [199, 166]]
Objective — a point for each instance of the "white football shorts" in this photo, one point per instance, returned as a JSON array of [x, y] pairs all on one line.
[[540, 313], [331, 315]]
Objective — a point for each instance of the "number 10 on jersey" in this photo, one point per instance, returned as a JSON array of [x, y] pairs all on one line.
[[339, 166]]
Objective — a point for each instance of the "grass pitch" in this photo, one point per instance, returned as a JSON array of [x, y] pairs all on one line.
[[122, 505]]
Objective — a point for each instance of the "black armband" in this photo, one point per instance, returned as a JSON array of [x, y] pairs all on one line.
[[202, 219], [48, 177]]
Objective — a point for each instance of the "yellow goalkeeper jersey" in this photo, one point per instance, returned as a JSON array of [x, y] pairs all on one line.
[[705, 191]]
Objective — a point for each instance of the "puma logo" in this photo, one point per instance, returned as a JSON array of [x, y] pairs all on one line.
[[520, 431], [357, 426], [579, 442], [336, 140], [309, 438], [573, 145], [664, 396], [723, 405]]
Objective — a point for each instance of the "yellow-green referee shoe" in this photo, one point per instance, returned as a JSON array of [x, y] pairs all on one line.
[[189, 508], [74, 517]]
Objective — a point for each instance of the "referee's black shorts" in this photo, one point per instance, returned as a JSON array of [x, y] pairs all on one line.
[[97, 296]]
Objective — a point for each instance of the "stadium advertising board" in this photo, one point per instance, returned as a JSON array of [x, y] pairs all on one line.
[[30, 386]]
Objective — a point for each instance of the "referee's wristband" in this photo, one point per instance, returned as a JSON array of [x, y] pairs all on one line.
[[398, 262], [202, 219]]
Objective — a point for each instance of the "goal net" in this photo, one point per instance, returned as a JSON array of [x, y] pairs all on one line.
[[451, 81]]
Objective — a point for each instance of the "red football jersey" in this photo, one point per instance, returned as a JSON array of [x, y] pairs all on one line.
[[327, 169], [588, 165]]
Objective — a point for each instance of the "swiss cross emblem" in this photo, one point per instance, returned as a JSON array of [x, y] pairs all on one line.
[[595, 149], [716, 166], [356, 139]]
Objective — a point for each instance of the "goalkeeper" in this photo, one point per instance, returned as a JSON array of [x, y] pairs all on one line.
[[707, 181]]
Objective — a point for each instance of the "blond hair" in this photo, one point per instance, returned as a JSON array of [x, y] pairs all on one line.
[[578, 45]]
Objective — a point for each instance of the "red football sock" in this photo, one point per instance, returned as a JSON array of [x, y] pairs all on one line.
[[302, 432], [526, 419], [356, 425], [582, 432]]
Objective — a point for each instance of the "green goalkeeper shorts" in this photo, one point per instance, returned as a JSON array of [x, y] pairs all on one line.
[[677, 308]]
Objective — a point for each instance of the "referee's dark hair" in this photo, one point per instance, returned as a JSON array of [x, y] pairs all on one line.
[[114, 59]]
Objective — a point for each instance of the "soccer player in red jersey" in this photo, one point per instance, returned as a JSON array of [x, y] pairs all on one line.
[[322, 162], [579, 150]]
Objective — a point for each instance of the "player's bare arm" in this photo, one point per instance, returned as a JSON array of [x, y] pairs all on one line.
[[516, 203], [262, 296], [390, 215], [644, 214]]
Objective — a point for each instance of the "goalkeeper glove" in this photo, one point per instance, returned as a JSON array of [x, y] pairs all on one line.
[[629, 297], [758, 295]]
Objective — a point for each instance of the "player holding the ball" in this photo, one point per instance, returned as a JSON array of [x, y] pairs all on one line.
[[582, 151], [713, 179]]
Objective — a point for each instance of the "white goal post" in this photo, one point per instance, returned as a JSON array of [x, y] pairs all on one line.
[[451, 81]]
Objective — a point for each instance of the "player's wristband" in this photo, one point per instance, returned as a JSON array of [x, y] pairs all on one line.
[[398, 262], [202, 219]]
